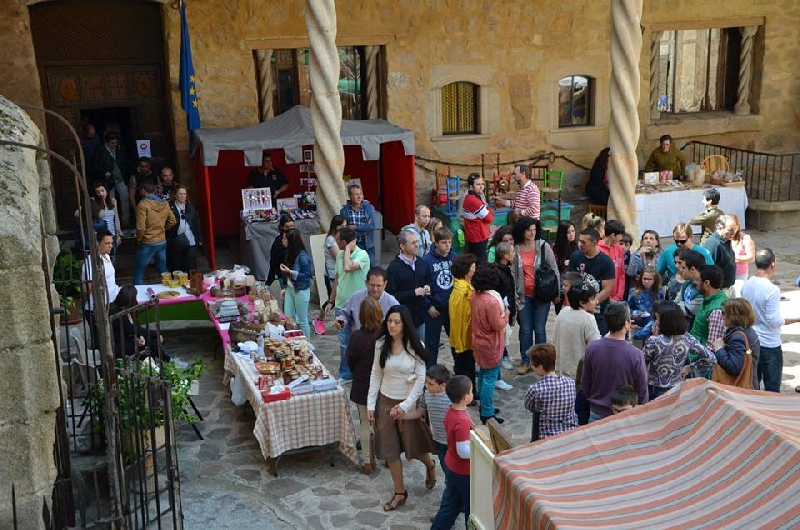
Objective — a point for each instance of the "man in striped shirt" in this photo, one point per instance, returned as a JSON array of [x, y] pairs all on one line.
[[527, 202]]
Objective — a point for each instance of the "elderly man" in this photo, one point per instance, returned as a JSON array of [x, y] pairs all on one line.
[[527, 201], [422, 218], [667, 157], [360, 215], [765, 297], [409, 278], [719, 246], [376, 288]]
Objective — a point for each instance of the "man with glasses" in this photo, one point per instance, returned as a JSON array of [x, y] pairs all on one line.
[[409, 278], [376, 289], [667, 157], [682, 235]]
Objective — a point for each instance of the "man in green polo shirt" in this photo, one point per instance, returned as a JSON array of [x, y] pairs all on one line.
[[352, 265], [708, 325]]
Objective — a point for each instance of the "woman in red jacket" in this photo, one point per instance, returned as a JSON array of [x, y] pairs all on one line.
[[477, 218], [489, 319]]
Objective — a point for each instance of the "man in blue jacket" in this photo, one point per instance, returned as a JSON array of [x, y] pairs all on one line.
[[441, 281], [360, 215]]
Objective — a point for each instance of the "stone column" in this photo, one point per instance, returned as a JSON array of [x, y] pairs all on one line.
[[626, 49], [29, 393], [263, 61], [326, 108], [745, 70], [373, 82], [655, 66]]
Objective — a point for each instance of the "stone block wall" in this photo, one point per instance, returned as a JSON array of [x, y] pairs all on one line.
[[29, 393]]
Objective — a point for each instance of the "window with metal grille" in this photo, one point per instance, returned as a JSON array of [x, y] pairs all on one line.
[[575, 100], [460, 108], [698, 70]]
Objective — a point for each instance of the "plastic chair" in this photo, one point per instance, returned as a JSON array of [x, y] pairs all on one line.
[[453, 190], [88, 366]]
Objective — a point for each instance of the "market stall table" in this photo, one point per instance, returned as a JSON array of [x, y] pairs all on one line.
[[663, 210], [306, 421], [256, 240]]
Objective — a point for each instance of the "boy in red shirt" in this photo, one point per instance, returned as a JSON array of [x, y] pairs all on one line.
[[457, 424]]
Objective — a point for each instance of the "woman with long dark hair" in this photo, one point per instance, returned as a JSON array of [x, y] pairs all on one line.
[[501, 234], [566, 243], [105, 214], [396, 383], [296, 269], [531, 253], [129, 337]]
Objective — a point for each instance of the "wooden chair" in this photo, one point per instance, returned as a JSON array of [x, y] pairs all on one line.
[[599, 211], [549, 218], [501, 439]]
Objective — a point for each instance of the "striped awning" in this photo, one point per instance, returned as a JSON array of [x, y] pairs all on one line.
[[702, 456]]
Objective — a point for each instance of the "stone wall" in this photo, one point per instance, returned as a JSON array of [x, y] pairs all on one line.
[[515, 51], [19, 77], [29, 393]]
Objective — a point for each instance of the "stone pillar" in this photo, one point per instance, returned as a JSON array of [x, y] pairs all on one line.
[[745, 70], [326, 108], [264, 64], [626, 48], [373, 82], [655, 66], [29, 393]]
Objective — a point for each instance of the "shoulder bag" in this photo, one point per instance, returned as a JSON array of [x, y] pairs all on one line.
[[547, 288], [745, 377]]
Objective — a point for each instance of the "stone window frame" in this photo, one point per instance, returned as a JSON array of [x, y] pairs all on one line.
[[488, 123], [591, 97]]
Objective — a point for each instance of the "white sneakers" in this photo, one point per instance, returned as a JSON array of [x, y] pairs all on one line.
[[502, 385], [506, 364]]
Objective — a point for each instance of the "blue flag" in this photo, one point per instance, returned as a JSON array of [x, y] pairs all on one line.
[[186, 81]]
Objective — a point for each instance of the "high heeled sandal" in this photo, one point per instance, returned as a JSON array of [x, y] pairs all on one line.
[[430, 476], [392, 505]]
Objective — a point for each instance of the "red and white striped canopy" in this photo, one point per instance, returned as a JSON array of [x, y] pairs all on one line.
[[702, 456]]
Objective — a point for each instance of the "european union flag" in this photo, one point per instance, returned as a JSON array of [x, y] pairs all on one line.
[[186, 81]]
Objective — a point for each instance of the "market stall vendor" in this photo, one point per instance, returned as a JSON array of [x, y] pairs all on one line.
[[268, 176], [667, 157]]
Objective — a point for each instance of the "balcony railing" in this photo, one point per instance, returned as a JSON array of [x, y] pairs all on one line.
[[768, 177]]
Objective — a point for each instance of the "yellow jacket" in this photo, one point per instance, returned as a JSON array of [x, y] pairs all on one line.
[[460, 306]]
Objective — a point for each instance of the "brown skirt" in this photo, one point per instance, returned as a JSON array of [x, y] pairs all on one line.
[[392, 437]]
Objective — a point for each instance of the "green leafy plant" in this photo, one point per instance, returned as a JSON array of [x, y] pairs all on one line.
[[135, 408], [67, 278]]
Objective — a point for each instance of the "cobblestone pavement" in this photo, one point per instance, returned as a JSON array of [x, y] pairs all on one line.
[[225, 482]]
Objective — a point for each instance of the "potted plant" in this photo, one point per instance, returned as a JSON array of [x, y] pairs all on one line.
[[67, 279]]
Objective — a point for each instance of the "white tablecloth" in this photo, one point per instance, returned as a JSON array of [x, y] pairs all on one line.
[[662, 211]]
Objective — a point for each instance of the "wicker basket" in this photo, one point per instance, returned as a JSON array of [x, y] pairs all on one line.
[[714, 164], [244, 331]]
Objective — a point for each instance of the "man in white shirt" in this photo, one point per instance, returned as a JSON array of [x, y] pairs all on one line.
[[105, 242], [765, 297]]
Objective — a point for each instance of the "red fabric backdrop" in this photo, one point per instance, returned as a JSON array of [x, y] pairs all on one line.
[[219, 187]]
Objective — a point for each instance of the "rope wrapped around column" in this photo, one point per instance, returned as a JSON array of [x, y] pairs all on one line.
[[626, 48], [745, 70], [326, 108], [264, 64], [655, 56], [372, 82]]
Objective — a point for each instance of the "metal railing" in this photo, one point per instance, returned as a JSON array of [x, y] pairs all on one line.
[[769, 177]]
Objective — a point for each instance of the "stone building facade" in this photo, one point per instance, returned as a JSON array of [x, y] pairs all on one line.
[[516, 54]]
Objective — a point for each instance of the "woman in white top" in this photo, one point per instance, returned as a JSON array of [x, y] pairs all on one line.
[[105, 215], [396, 383]]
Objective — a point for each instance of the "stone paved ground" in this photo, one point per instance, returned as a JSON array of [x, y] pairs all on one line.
[[224, 479]]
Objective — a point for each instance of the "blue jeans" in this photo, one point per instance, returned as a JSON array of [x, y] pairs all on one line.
[[373, 260], [487, 377], [441, 450], [344, 339], [295, 306], [455, 500], [433, 335], [144, 253], [532, 321], [770, 368], [593, 417]]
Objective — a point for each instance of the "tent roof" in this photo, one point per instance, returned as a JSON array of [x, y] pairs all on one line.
[[291, 131], [703, 455]]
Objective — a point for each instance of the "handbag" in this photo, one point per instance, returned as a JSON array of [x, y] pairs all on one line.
[[745, 377], [546, 281]]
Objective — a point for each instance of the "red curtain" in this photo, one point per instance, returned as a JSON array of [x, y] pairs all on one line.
[[398, 186]]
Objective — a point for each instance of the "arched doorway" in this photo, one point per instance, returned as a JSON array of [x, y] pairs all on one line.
[[102, 62]]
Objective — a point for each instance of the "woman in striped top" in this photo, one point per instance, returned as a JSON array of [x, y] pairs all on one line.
[[104, 209]]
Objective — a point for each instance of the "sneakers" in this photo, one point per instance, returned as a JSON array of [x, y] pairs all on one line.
[[502, 385], [319, 326], [484, 419], [523, 369], [506, 364]]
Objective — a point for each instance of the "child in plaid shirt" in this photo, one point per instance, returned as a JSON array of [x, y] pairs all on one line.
[[553, 395]]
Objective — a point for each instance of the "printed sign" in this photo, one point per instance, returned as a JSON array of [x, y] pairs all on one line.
[[143, 148]]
